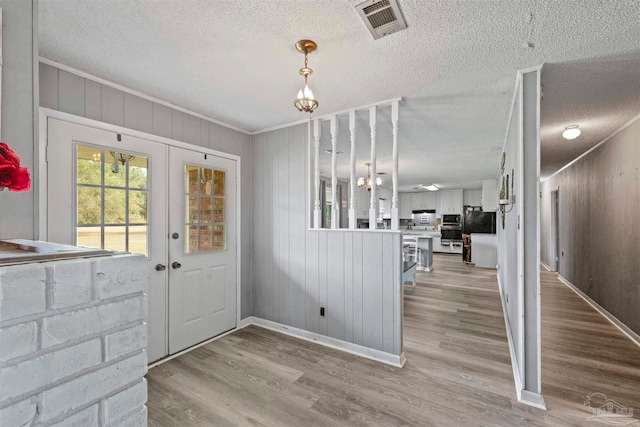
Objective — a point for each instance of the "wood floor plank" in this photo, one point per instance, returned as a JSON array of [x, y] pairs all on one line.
[[458, 370]]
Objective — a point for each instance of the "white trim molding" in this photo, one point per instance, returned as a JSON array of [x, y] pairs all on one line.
[[610, 317], [524, 396], [358, 350]]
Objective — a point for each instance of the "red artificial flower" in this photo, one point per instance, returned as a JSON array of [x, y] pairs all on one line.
[[12, 175]]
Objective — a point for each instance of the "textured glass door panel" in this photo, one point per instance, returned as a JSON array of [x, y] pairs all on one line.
[[204, 208]]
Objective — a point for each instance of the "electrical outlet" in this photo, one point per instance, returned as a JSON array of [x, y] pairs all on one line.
[[322, 311]]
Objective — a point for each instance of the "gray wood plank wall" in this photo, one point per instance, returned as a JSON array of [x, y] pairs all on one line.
[[70, 93], [599, 201], [19, 211], [355, 275]]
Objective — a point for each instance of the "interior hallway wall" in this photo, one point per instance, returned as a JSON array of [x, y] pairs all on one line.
[[599, 202], [64, 91]]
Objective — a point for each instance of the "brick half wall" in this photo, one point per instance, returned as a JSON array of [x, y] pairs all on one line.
[[72, 342]]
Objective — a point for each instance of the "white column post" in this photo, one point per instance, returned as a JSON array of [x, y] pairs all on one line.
[[395, 213], [335, 203], [316, 174], [373, 203], [353, 217]]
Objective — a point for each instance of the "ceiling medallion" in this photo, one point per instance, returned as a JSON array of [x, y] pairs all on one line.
[[305, 101]]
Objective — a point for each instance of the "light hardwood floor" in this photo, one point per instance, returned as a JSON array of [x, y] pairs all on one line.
[[458, 369]]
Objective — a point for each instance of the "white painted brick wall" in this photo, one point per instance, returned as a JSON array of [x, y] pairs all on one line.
[[125, 402], [70, 283], [68, 326], [118, 276], [85, 418], [48, 368], [136, 419], [22, 291], [63, 324], [92, 386], [18, 340], [19, 414], [124, 342]]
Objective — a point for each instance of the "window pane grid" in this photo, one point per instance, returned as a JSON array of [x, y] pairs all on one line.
[[121, 200], [204, 210]]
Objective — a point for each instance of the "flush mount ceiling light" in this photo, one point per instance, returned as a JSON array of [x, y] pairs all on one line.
[[362, 181], [305, 102], [431, 187], [571, 132]]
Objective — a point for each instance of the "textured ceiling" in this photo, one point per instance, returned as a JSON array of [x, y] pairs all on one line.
[[454, 66]]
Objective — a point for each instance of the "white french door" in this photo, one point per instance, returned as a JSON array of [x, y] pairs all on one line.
[[174, 206], [202, 248]]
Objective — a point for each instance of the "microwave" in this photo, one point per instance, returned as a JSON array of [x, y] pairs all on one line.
[[451, 219]]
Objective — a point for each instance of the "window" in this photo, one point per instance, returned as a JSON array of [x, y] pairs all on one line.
[[112, 200], [205, 209]]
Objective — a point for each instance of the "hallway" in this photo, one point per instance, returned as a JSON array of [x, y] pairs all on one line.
[[458, 369]]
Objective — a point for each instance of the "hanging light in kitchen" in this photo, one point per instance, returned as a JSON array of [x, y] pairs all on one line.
[[362, 181], [305, 102]]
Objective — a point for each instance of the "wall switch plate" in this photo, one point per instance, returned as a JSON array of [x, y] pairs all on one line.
[[322, 311]]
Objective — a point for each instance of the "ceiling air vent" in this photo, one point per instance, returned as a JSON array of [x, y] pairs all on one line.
[[382, 17]]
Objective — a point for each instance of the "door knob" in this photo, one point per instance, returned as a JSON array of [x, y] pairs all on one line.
[[176, 265], [160, 267]]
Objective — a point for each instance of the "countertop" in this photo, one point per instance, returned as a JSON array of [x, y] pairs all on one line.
[[424, 233]]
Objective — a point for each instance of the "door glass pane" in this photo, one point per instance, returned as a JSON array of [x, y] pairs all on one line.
[[122, 206], [89, 236], [219, 178], [138, 171], [218, 209], [192, 209], [138, 239], [206, 238], [206, 181], [115, 206], [205, 209], [89, 205], [89, 165], [137, 207], [115, 173], [219, 238], [192, 179], [191, 242], [115, 238]]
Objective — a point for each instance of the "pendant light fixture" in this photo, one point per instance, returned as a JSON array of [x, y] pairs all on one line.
[[305, 102], [362, 181]]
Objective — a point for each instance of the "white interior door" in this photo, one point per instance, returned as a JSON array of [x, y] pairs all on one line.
[[108, 191], [202, 247]]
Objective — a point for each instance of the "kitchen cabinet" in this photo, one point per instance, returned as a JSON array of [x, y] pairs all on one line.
[[424, 200], [404, 199], [489, 195], [450, 202]]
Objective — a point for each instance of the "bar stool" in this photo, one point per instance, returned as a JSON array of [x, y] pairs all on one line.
[[413, 251]]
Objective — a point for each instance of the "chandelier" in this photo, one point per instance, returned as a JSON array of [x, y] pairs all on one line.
[[305, 101], [362, 181]]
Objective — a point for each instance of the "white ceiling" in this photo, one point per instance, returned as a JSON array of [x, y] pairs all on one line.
[[455, 67]]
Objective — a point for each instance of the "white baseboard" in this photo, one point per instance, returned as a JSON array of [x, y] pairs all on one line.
[[524, 396], [545, 266], [512, 349], [610, 317], [532, 399], [369, 353]]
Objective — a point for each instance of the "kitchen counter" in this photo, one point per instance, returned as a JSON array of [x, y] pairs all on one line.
[[484, 250]]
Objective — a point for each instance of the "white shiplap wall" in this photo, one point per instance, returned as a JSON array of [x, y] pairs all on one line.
[[64, 91], [355, 275]]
